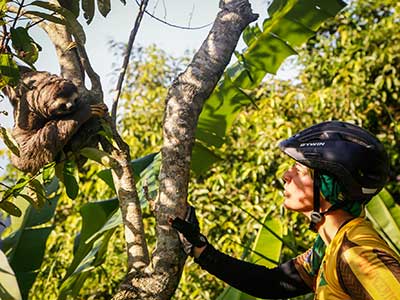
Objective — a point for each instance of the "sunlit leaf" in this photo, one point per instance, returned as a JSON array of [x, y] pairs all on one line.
[[39, 192], [9, 289], [267, 243], [16, 189], [9, 72], [97, 155], [9, 141], [384, 213]]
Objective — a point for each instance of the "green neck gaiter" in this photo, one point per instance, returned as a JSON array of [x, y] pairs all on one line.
[[332, 192]]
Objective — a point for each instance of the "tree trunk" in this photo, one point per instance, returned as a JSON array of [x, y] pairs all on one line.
[[184, 103]]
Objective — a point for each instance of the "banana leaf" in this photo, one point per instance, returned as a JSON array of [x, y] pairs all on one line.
[[29, 236], [265, 251], [384, 214]]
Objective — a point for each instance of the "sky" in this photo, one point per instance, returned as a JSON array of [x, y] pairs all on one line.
[[117, 26]]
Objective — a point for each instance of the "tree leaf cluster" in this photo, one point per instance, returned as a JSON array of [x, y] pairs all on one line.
[[23, 47]]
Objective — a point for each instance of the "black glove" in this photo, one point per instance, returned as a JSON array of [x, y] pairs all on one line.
[[189, 231]]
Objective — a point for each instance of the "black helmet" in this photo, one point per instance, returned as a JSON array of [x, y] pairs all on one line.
[[345, 151]]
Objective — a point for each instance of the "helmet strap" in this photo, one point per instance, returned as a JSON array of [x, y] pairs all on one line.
[[316, 216]]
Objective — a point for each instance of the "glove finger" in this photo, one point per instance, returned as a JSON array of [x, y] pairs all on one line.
[[191, 216]]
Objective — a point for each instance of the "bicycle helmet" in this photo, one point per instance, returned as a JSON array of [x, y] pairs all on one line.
[[345, 151]]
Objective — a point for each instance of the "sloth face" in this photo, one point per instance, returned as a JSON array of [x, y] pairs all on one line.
[[66, 100]]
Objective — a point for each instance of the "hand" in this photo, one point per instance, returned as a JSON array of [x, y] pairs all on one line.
[[189, 231]]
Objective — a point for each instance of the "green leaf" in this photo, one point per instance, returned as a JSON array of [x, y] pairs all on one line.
[[9, 289], [10, 208], [71, 179], [251, 33], [266, 251], [98, 156], [267, 243], [26, 271], [104, 7], [39, 193], [16, 189], [3, 6], [149, 179], [20, 38], [202, 158], [99, 220], [9, 72], [231, 293], [9, 141], [71, 5], [48, 173], [26, 238], [88, 9], [106, 176], [384, 213]]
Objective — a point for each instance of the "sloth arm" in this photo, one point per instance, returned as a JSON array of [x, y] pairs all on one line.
[[42, 146]]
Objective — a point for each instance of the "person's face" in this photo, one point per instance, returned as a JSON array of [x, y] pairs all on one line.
[[298, 188]]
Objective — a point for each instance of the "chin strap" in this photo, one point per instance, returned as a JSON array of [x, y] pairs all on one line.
[[316, 216]]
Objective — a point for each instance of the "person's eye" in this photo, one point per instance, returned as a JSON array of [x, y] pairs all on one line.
[[301, 169]]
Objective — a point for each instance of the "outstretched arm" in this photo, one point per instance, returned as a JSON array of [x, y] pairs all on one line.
[[284, 281]]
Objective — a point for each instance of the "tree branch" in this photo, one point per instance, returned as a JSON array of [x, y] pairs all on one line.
[[132, 37], [184, 103], [96, 88], [72, 56], [59, 36], [125, 186]]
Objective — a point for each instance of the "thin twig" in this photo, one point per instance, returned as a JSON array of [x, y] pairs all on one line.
[[174, 25], [36, 23], [132, 37], [191, 16], [15, 20]]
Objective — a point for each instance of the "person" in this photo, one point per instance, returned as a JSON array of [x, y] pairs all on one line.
[[338, 168]]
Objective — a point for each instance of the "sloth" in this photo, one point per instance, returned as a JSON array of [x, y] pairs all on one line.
[[48, 113]]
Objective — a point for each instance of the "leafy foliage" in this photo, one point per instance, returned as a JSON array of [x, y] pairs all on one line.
[[24, 47], [29, 235], [353, 63], [9, 289], [384, 214]]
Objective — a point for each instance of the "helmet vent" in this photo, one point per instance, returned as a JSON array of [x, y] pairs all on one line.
[[368, 190], [356, 140]]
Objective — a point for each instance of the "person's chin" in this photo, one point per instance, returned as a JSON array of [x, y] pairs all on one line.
[[288, 205]]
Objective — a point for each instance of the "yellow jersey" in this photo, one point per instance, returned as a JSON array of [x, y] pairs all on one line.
[[358, 264]]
